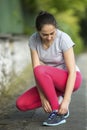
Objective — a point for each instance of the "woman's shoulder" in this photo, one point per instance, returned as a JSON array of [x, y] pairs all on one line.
[[34, 36], [65, 41], [63, 34], [34, 40]]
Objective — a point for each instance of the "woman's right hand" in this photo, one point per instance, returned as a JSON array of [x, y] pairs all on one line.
[[46, 105]]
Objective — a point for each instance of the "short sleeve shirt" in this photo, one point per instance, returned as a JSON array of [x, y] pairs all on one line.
[[53, 56]]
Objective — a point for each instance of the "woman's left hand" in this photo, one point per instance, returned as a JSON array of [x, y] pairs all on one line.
[[64, 107]]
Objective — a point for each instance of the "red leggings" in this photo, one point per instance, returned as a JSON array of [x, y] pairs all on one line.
[[52, 81]]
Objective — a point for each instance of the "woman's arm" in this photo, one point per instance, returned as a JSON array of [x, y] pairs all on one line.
[[34, 58], [70, 63]]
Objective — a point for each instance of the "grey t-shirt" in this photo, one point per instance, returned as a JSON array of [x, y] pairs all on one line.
[[53, 56]]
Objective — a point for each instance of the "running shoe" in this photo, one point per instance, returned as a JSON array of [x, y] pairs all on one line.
[[60, 99], [54, 119]]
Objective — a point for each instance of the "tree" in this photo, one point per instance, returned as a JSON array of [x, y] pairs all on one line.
[[67, 12], [83, 24]]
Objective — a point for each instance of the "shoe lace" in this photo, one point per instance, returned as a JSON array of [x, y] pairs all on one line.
[[52, 115]]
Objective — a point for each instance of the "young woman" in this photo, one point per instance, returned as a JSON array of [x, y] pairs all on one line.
[[55, 71]]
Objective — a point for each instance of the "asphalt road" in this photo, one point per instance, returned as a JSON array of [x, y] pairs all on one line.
[[13, 119]]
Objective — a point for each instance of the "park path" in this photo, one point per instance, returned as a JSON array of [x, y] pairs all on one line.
[[12, 119]]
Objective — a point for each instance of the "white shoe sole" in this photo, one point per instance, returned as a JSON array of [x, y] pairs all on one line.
[[62, 122]]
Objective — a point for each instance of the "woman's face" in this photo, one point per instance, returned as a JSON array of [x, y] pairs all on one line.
[[48, 33]]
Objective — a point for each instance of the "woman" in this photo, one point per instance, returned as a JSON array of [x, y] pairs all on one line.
[[55, 71]]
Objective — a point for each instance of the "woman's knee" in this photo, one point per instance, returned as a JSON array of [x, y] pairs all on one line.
[[78, 81], [20, 104], [39, 70]]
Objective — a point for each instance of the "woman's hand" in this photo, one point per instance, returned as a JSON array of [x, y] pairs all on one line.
[[64, 107], [46, 105]]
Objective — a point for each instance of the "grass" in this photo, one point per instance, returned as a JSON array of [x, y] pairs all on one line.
[[20, 83]]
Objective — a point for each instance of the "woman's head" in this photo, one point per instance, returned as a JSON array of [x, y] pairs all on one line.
[[46, 26], [45, 18]]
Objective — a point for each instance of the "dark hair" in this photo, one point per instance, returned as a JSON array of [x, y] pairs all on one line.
[[44, 18]]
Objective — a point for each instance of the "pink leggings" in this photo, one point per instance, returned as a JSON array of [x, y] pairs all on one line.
[[52, 81]]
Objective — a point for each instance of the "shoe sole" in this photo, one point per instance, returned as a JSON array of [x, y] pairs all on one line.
[[62, 122]]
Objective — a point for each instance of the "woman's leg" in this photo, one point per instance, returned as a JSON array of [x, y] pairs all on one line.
[[52, 81], [29, 100], [59, 77], [46, 84]]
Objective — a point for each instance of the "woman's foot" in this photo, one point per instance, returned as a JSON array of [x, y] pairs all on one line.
[[54, 119], [60, 99]]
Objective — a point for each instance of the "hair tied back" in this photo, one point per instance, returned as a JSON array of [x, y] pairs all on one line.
[[42, 13]]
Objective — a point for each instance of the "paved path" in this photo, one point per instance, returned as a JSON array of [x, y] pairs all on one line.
[[12, 119]]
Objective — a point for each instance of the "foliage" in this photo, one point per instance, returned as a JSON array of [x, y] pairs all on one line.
[[29, 6], [69, 24], [83, 24], [68, 14]]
